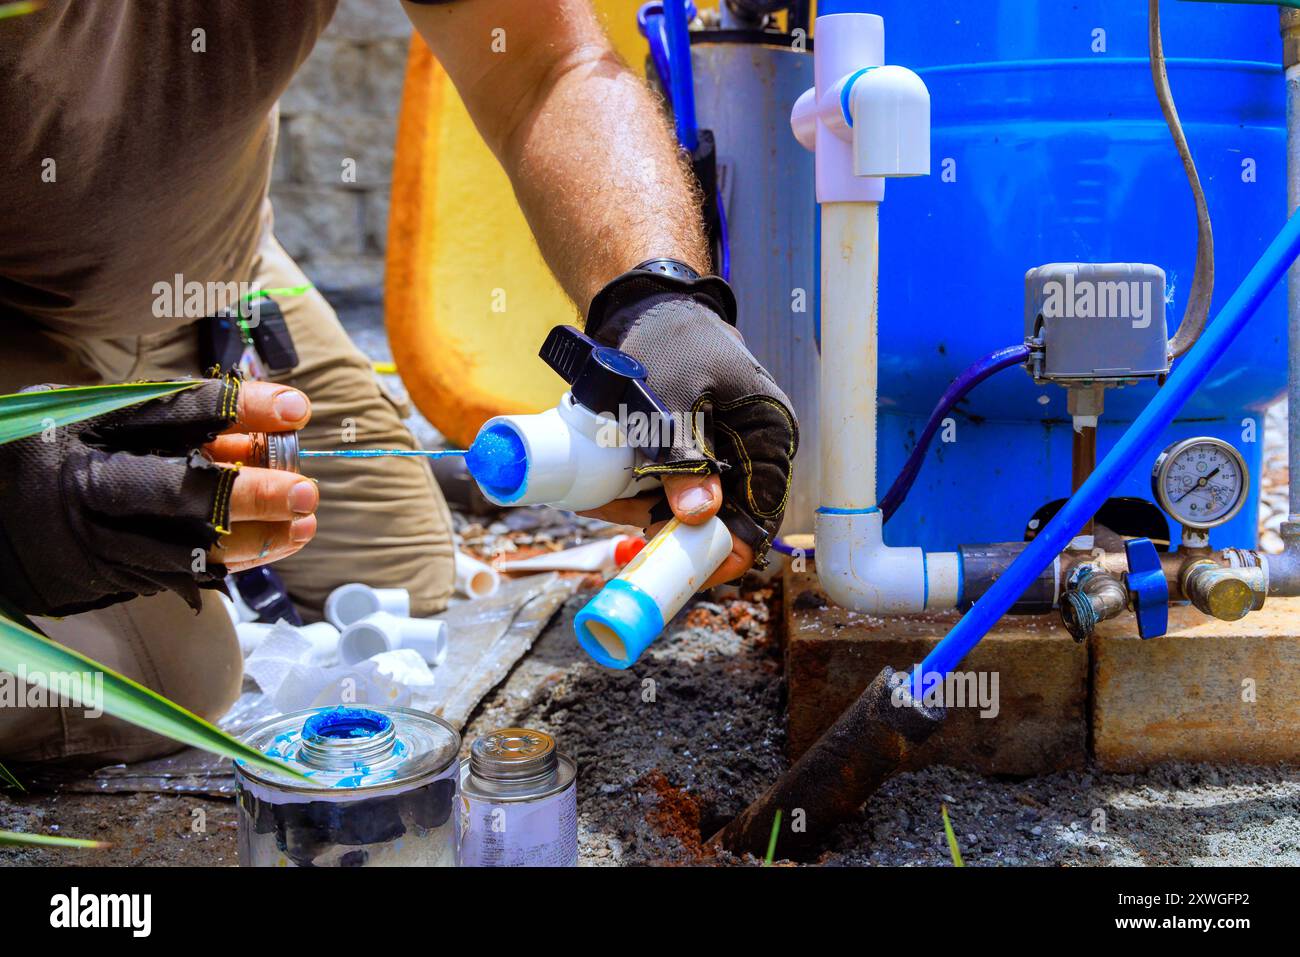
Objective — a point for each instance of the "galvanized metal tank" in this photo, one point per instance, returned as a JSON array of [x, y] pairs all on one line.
[[1049, 146], [745, 85]]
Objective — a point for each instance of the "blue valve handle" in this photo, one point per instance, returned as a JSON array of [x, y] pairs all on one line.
[[1147, 587], [609, 381]]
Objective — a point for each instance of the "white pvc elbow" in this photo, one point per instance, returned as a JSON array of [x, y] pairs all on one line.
[[575, 459], [859, 571]]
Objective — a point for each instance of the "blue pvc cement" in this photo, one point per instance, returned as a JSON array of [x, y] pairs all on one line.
[[346, 723], [498, 462]]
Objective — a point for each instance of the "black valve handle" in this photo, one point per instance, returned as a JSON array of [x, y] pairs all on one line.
[[608, 381]]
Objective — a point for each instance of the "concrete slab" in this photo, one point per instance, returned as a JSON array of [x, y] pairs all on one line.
[[1041, 720], [1225, 692]]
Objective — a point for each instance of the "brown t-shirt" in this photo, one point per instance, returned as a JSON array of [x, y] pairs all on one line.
[[136, 139]]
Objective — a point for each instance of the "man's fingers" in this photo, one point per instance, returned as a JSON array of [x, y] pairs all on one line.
[[270, 407], [231, 447], [626, 511], [271, 495], [694, 498], [256, 543], [736, 564]]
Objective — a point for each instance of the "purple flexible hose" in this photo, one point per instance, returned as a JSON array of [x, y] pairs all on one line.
[[976, 373]]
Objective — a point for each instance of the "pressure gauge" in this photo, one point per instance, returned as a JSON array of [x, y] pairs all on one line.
[[1202, 482]]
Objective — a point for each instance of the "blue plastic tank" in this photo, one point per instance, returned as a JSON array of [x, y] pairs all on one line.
[[1046, 125]]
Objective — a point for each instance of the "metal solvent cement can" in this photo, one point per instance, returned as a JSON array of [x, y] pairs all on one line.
[[519, 802], [381, 790]]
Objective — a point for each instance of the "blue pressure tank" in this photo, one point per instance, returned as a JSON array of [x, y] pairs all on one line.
[[1049, 146]]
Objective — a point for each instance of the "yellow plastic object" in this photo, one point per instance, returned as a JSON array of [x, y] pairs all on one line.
[[468, 299]]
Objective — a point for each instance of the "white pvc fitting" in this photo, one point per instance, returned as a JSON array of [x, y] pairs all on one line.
[[251, 634], [859, 571], [575, 459], [890, 108], [352, 602], [617, 625], [475, 579], [381, 631], [323, 636]]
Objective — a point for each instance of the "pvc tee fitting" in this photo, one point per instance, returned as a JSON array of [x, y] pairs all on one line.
[[352, 602], [573, 458], [617, 625], [382, 632]]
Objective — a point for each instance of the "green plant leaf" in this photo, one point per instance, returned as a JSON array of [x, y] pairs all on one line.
[[37, 657], [771, 841], [953, 849], [8, 780], [24, 414], [19, 8], [48, 840]]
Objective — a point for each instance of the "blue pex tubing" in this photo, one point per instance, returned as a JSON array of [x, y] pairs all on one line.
[[1135, 445]]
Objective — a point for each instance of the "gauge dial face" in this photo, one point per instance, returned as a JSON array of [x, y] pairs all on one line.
[[1201, 482]]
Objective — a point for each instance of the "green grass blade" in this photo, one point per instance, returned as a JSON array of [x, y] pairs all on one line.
[[37, 657], [24, 414], [771, 841], [953, 849], [48, 840], [19, 8], [8, 780]]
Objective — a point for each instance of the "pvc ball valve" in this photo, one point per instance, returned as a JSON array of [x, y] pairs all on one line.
[[624, 617], [582, 453], [352, 602], [381, 631]]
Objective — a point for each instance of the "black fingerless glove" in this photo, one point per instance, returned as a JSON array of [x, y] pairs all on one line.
[[740, 424], [114, 507]]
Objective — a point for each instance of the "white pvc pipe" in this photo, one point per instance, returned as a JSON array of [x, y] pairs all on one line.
[[475, 579], [855, 566], [850, 277]]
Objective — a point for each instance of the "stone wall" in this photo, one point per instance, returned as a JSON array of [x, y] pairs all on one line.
[[338, 122]]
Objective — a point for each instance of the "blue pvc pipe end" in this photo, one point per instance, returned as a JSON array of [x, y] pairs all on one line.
[[618, 624]]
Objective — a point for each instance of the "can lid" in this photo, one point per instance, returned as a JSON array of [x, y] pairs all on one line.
[[373, 747], [514, 756]]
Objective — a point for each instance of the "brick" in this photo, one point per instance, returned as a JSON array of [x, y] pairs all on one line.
[[359, 276], [369, 20], [376, 221], [335, 78], [1181, 696], [385, 67], [320, 143], [1041, 725], [311, 221]]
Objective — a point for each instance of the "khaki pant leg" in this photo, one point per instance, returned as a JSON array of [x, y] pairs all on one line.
[[193, 660], [381, 521]]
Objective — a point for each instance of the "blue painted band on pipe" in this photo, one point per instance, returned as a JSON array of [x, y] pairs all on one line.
[[1190, 372], [846, 89], [827, 510]]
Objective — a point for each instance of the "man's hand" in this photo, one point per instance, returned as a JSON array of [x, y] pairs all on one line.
[[125, 504], [730, 417], [272, 512]]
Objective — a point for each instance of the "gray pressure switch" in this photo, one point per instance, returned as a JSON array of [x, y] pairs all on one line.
[[1097, 322]]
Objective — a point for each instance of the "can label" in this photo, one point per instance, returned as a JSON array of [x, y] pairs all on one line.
[[539, 833]]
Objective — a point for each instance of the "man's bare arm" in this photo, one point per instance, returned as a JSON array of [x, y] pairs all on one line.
[[594, 164]]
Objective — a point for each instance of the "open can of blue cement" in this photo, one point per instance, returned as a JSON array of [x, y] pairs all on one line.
[[519, 802], [381, 790]]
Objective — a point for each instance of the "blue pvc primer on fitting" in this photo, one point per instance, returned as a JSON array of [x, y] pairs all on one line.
[[498, 462], [343, 722], [631, 618]]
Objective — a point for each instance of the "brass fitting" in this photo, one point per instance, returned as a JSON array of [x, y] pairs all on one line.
[[1290, 36], [1093, 596], [1228, 594]]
